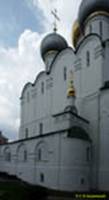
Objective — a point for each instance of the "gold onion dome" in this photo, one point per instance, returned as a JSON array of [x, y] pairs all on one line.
[[76, 33], [71, 92]]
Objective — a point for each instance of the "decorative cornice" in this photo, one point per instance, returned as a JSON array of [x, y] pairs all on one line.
[[72, 113], [47, 135]]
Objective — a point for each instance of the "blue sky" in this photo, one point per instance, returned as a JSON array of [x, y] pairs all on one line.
[[15, 17], [23, 25]]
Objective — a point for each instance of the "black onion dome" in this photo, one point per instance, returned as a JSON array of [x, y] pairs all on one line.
[[88, 7], [52, 42]]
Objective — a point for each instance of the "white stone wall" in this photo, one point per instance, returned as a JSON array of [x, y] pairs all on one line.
[[89, 77], [90, 81], [104, 141], [39, 108], [63, 162], [87, 80], [106, 62]]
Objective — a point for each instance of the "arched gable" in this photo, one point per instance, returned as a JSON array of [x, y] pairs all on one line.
[[60, 55], [42, 73], [89, 37], [25, 88], [88, 64], [31, 85], [62, 65]]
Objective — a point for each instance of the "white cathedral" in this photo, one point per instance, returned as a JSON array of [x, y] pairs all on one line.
[[64, 132]]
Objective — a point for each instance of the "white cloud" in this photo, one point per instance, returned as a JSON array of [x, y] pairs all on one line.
[[17, 66]]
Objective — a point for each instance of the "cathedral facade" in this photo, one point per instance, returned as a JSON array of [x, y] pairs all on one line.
[[64, 132]]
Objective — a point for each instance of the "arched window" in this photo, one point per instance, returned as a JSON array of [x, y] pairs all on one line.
[[41, 152], [22, 153], [7, 154]]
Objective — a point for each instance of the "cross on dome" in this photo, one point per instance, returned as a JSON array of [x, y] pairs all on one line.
[[56, 18]]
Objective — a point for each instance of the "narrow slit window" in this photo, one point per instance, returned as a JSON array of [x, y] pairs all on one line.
[[42, 87], [42, 177], [25, 155], [65, 73], [88, 154], [40, 128], [90, 28], [26, 133], [88, 58], [82, 181], [101, 28], [39, 154], [28, 97]]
